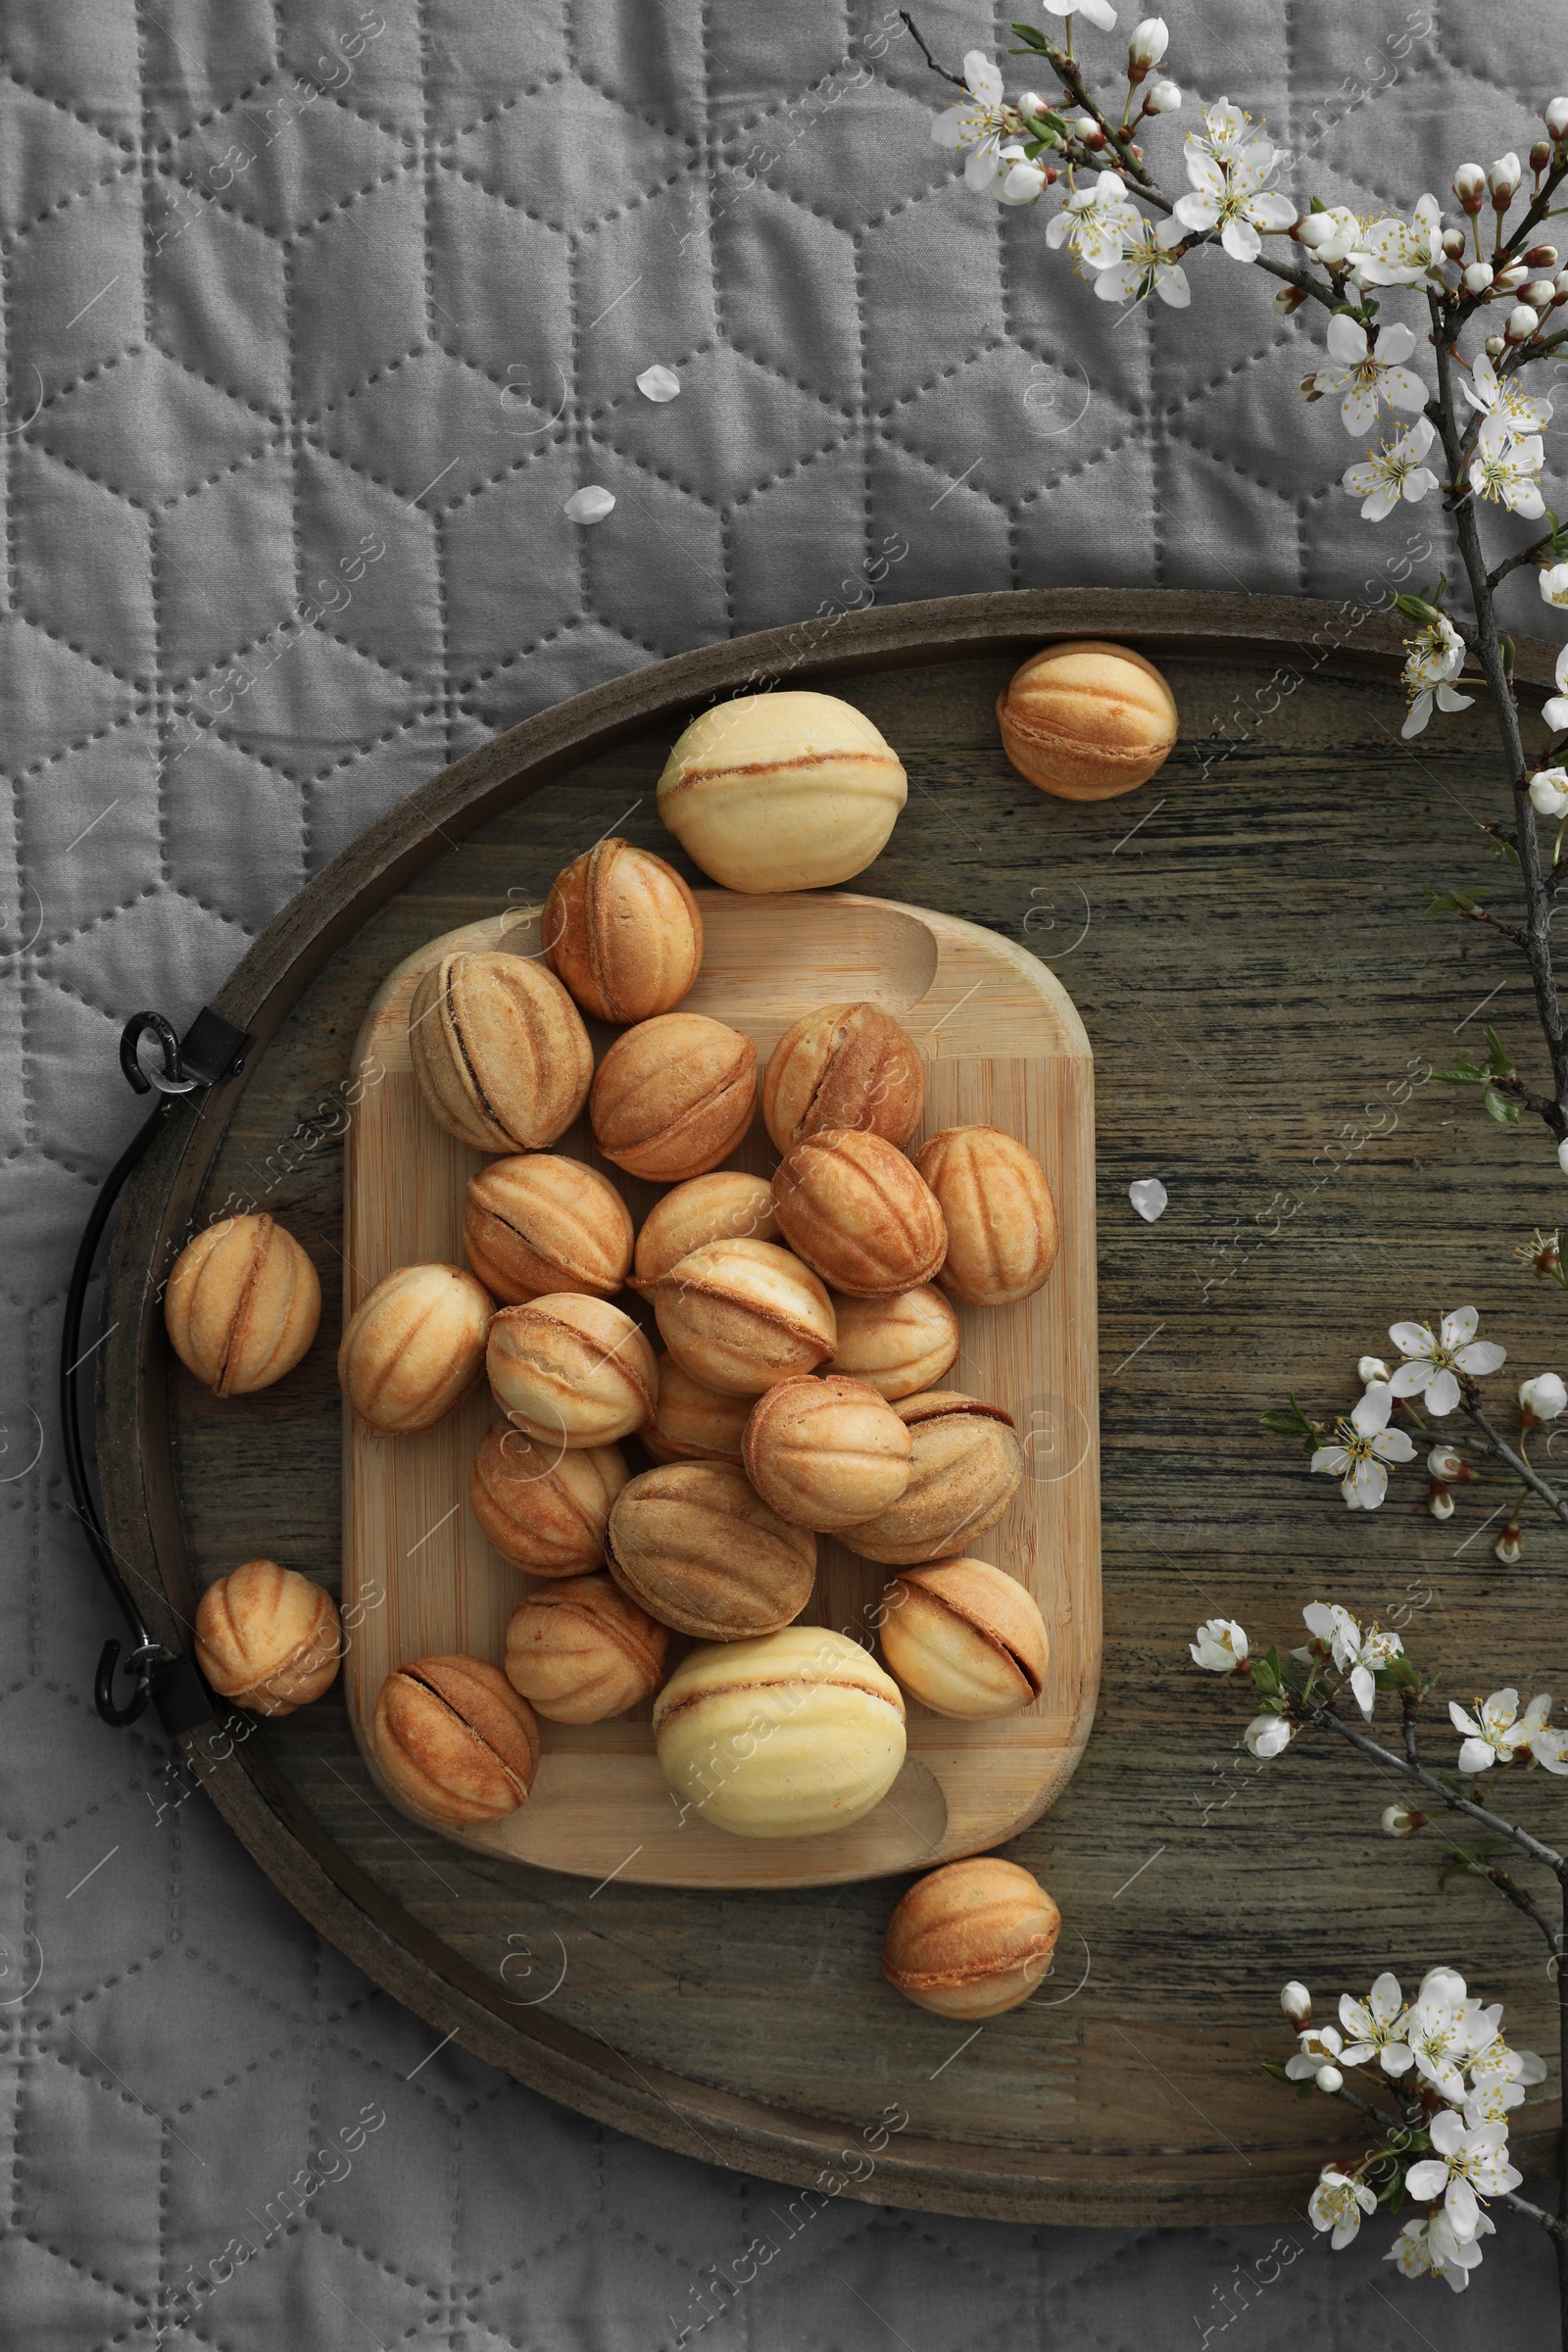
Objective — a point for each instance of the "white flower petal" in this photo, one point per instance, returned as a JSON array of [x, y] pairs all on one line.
[[1372, 1410], [1240, 240], [1443, 1393]]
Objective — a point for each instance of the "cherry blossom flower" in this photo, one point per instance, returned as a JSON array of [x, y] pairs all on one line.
[[1377, 2026], [1149, 266], [1506, 470], [1230, 195], [1468, 2163], [1392, 472], [1548, 789], [1363, 1446], [1433, 658], [1359, 1659], [1444, 2032], [1433, 2248], [1553, 584], [1366, 376], [1400, 253], [1338, 2203], [1096, 223], [1497, 1731], [1220, 1646], [978, 122], [1319, 2054], [1224, 134], [1333, 235], [1268, 1735], [1435, 1366], [1523, 412]]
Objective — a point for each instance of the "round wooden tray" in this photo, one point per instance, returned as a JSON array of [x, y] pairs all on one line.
[[1242, 939]]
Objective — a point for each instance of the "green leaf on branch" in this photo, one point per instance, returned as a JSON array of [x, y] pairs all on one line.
[[1416, 608], [1033, 41], [1317, 205], [1508, 650], [1292, 1423], [1267, 1676], [1455, 901], [1498, 1062], [1499, 1108], [1274, 2068], [1465, 1072]]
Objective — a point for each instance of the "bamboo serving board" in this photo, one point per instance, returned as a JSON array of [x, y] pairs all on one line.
[[1003, 1045]]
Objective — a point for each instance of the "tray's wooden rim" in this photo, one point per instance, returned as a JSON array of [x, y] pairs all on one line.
[[136, 1463]]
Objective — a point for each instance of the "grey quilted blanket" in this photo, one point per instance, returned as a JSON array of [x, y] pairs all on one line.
[[315, 318]]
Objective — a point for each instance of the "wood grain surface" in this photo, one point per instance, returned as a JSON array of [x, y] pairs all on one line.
[[1000, 1045], [1244, 940]]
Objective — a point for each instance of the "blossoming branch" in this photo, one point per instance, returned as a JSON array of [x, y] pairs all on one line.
[[1438, 2079]]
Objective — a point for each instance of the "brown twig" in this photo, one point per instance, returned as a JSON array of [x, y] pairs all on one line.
[[1498, 1444], [919, 41], [1320, 1712]]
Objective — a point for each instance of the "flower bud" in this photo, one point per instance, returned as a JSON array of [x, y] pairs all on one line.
[[1162, 98], [1542, 257], [1562, 1157], [1080, 126], [1444, 1463], [1440, 1503], [1494, 347], [1402, 1821], [1094, 138], [1556, 111], [1506, 280], [1297, 2002], [1542, 1398], [1503, 180], [1329, 2079], [1453, 243], [1522, 323], [1541, 293], [1539, 157], [1370, 1369], [1287, 300], [1477, 277], [1469, 185], [1507, 1548], [1147, 47], [1554, 713], [1030, 101]]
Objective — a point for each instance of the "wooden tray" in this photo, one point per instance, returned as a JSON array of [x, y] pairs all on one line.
[[1001, 1043], [1244, 940]]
